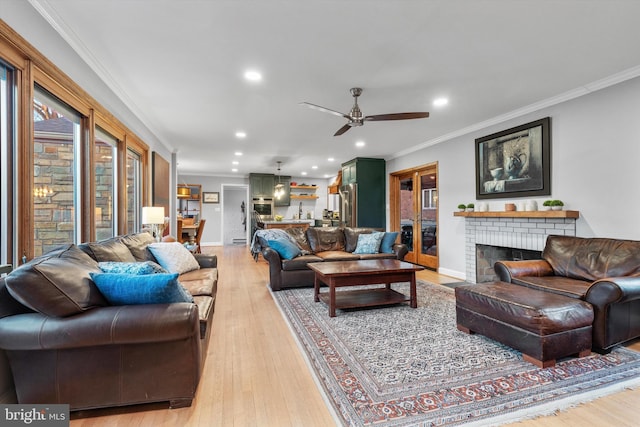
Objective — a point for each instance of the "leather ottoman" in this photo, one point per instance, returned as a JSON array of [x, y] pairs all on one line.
[[542, 325]]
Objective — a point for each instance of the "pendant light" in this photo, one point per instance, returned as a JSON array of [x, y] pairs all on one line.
[[279, 188]]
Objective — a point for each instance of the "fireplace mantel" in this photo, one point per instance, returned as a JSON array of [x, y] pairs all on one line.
[[520, 214]]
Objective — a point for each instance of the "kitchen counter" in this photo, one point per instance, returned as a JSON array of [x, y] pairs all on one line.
[[289, 223]]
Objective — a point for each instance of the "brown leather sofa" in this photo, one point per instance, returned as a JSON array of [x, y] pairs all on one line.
[[319, 244], [603, 272], [77, 349]]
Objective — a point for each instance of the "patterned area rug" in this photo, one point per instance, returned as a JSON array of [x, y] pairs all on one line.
[[398, 366]]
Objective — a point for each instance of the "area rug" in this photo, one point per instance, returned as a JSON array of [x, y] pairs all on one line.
[[398, 366]]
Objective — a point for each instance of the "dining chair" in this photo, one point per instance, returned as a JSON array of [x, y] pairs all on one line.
[[199, 235], [179, 235]]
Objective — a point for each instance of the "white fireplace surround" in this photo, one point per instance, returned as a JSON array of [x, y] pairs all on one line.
[[518, 232]]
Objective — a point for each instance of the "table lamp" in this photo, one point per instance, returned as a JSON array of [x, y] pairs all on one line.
[[153, 216]]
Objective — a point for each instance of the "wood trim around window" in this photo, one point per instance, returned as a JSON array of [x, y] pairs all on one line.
[[33, 67]]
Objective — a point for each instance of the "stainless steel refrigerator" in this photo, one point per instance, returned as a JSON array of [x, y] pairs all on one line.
[[349, 205]]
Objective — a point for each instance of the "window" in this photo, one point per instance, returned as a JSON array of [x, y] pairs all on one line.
[[56, 186], [429, 198], [105, 175], [7, 138], [134, 191]]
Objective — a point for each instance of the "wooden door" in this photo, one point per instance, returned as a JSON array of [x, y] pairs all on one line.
[[414, 212]]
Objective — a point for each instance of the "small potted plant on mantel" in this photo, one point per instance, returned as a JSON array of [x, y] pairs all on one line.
[[462, 207], [470, 207], [557, 205], [546, 206]]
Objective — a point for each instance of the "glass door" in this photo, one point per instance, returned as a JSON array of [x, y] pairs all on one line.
[[414, 213]]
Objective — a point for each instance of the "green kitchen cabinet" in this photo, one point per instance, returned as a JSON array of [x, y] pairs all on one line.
[[363, 192], [261, 185]]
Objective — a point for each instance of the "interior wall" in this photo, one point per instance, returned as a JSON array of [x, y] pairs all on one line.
[[595, 149], [212, 212]]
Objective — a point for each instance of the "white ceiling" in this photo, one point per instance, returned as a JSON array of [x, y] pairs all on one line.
[[179, 66]]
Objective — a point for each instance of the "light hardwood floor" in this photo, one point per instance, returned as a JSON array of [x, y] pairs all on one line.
[[255, 374]]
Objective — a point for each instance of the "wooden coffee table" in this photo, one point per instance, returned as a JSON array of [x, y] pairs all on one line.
[[338, 274]]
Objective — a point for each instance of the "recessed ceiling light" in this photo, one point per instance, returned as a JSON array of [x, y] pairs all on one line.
[[252, 75], [314, 167], [440, 102], [234, 170], [360, 144], [238, 153], [331, 159], [241, 134], [235, 162], [303, 173]]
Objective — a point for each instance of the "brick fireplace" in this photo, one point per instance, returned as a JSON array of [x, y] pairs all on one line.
[[518, 230]]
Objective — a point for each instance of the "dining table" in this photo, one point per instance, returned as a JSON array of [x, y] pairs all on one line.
[[189, 231]]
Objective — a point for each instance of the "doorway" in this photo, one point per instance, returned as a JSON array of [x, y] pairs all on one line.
[[414, 212], [236, 220]]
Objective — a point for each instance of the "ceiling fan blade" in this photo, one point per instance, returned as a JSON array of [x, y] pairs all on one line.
[[342, 130], [396, 116], [325, 110]]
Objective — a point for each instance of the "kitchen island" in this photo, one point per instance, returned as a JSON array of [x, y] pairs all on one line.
[[289, 223]]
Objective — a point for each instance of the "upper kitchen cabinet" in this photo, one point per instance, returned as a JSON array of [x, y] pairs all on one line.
[[262, 185], [285, 199]]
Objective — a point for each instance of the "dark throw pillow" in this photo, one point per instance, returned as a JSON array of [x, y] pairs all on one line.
[[57, 283]]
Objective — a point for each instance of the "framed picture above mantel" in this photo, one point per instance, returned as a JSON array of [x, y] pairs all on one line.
[[515, 162]]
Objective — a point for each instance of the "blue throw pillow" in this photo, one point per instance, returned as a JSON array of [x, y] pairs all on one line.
[[389, 238], [130, 289], [145, 267], [285, 248], [369, 243]]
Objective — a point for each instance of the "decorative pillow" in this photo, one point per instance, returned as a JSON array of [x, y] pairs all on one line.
[[369, 243], [285, 248], [130, 289], [137, 244], [174, 257], [389, 238], [108, 250], [145, 267], [57, 283]]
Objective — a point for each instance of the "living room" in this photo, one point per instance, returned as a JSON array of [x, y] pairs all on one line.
[[593, 141]]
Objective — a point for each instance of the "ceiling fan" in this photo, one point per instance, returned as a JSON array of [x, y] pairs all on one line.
[[355, 117]]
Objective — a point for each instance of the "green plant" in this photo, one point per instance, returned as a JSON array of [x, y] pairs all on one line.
[[471, 206], [557, 203], [547, 203], [462, 206]]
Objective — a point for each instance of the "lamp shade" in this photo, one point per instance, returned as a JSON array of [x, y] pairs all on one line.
[[153, 215]]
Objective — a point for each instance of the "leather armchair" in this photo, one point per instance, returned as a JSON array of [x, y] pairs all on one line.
[[603, 272]]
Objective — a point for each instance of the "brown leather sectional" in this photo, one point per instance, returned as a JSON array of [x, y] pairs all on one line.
[[320, 244], [602, 272], [66, 344]]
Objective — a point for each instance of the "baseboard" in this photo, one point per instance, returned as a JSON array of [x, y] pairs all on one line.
[[453, 273], [211, 244]]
